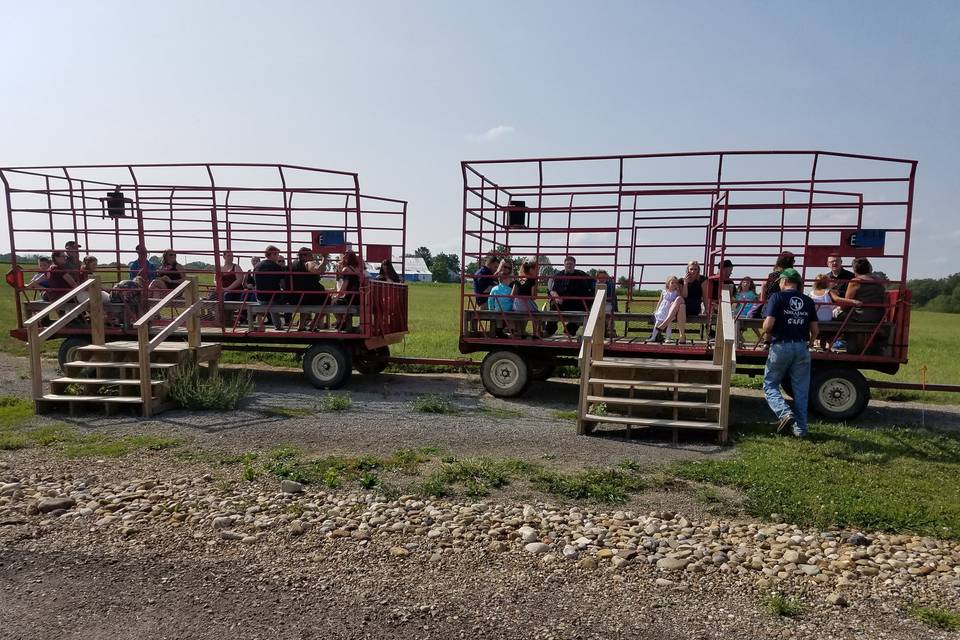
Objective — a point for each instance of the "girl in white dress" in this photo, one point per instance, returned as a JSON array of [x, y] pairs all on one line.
[[670, 305]]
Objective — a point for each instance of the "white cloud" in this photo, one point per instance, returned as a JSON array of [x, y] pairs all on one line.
[[492, 134]]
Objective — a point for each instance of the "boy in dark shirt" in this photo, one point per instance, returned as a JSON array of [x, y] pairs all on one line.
[[790, 323], [484, 280], [569, 291]]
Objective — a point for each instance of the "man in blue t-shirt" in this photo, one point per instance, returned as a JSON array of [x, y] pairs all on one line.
[[790, 324], [484, 280], [142, 266]]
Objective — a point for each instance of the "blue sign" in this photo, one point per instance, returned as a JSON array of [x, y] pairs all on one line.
[[868, 239]]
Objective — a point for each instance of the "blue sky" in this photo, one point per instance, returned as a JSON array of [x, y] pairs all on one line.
[[401, 92]]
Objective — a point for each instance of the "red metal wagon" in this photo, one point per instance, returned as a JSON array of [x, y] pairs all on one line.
[[644, 217], [201, 212]]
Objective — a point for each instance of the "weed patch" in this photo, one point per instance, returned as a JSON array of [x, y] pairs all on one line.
[[565, 414], [936, 617], [335, 402], [192, 388], [106, 447], [433, 403], [500, 413], [287, 412], [783, 606]]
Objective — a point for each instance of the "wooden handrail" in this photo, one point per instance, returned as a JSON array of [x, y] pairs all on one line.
[[146, 345], [164, 301], [591, 348], [725, 355], [35, 337]]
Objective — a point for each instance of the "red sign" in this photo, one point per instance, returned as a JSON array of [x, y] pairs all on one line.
[[378, 252]]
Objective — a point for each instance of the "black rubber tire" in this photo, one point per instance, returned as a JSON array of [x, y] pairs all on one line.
[[327, 365], [372, 361], [505, 374], [68, 348], [541, 370], [838, 394]]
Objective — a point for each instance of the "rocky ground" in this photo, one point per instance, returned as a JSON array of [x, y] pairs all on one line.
[[109, 552], [155, 546]]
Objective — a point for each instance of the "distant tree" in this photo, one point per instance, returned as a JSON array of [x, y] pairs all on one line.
[[444, 267], [423, 252], [471, 268]]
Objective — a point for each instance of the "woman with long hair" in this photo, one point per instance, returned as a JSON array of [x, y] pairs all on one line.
[[170, 274], [388, 273]]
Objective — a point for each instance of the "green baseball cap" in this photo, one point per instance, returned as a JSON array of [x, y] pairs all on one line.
[[792, 275]]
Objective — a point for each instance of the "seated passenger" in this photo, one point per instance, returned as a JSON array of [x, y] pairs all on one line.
[[671, 306], [87, 270], [828, 303], [570, 290], [839, 277], [41, 279], [610, 297], [231, 279], [387, 273], [749, 304], [524, 291], [869, 291], [692, 290], [128, 293], [170, 274], [269, 280], [484, 280], [305, 286], [60, 280], [350, 275], [500, 296], [785, 260], [142, 266]]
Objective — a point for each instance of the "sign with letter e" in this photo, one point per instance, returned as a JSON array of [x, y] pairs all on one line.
[[327, 241], [863, 242]]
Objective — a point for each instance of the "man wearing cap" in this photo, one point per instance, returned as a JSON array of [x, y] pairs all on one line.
[[790, 324]]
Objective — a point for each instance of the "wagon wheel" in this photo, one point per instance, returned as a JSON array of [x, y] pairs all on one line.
[[372, 361], [327, 365], [504, 374], [839, 394]]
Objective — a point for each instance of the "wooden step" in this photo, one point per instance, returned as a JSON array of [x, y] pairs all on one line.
[[655, 363], [652, 402], [111, 399], [656, 422], [654, 384], [117, 365], [129, 345], [104, 381]]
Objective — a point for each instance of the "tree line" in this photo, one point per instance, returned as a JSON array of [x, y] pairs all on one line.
[[937, 294]]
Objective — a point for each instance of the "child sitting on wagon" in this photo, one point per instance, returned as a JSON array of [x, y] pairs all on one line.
[[669, 307]]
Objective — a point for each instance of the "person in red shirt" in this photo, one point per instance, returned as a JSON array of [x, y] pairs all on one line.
[[61, 279]]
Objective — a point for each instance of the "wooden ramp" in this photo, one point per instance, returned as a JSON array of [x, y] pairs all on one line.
[[652, 392], [107, 375]]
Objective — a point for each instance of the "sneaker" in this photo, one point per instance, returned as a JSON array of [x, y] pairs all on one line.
[[799, 435], [839, 345], [786, 422]]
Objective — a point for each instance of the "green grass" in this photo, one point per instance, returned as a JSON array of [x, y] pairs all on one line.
[[565, 414], [935, 617], [97, 446], [500, 413], [880, 479], [17, 432], [783, 606]]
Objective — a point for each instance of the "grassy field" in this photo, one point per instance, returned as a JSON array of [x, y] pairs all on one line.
[[434, 326]]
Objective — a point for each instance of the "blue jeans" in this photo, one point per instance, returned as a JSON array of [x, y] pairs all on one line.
[[793, 359]]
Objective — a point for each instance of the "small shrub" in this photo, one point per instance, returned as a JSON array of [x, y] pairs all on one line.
[[601, 485], [599, 409], [11, 441], [331, 478], [433, 487], [192, 388], [250, 472], [369, 480], [335, 402], [936, 617], [433, 403], [784, 606]]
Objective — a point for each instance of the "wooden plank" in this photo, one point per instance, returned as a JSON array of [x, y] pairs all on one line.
[[651, 363], [653, 402], [111, 399], [193, 314], [115, 365], [654, 384], [145, 319], [143, 357], [656, 422], [585, 350], [51, 330], [103, 381]]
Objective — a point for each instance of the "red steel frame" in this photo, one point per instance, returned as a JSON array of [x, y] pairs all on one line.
[[642, 217], [202, 210]]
